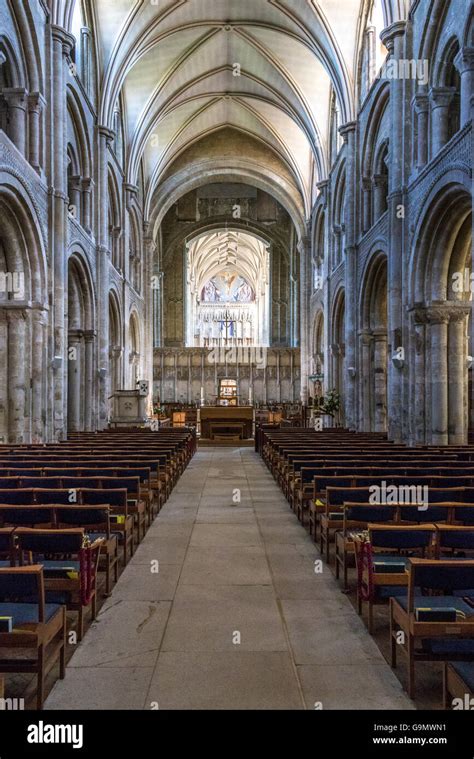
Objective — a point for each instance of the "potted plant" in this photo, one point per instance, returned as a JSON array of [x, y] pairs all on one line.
[[330, 404]]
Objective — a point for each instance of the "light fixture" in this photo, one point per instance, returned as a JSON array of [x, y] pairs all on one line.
[[57, 362], [398, 362], [102, 373], [351, 370]]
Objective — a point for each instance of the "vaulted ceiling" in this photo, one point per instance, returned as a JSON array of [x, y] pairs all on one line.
[[227, 250], [184, 69]]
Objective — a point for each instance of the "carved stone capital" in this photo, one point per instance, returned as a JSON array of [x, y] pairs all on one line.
[[441, 313], [464, 60], [441, 97], [390, 32], [16, 97], [421, 102]]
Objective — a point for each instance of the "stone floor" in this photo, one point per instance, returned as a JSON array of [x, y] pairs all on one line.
[[236, 616]]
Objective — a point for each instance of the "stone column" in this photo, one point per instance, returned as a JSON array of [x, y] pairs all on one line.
[[38, 374], [16, 375], [337, 236], [3, 376], [75, 197], [380, 195], [419, 385], [464, 63], [457, 376], [438, 322], [36, 103], [150, 294], [89, 380], [17, 101], [394, 37], [87, 185], [74, 381], [348, 132], [441, 98], [422, 110], [366, 204], [304, 249], [380, 382], [61, 45], [365, 380], [85, 59], [105, 136]]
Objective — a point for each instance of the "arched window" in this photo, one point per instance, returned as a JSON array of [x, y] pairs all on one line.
[[335, 139], [13, 98], [118, 131], [452, 81], [135, 257], [373, 52], [380, 182], [74, 185], [81, 52], [114, 224], [338, 221], [319, 252]]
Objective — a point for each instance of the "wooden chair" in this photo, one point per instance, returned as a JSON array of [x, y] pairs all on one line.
[[121, 522], [356, 517], [37, 626], [449, 583], [458, 683], [71, 581], [382, 559], [95, 520]]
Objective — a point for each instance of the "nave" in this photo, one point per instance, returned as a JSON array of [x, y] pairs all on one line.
[[166, 640]]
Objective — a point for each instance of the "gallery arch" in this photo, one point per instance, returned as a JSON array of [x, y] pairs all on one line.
[[373, 347], [81, 346], [23, 336], [338, 348], [168, 207], [443, 293], [135, 356], [115, 345]]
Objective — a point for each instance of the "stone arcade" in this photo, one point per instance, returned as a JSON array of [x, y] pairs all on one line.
[[254, 202], [338, 197]]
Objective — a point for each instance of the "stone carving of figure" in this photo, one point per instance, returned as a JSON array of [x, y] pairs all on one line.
[[244, 293], [211, 293]]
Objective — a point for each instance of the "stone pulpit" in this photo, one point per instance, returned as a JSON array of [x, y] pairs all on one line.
[[129, 408]]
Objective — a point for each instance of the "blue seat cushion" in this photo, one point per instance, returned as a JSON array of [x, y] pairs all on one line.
[[465, 670], [449, 646], [97, 535], [436, 602], [58, 563], [25, 613], [387, 591]]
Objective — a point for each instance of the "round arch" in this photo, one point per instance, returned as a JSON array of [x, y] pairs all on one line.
[[441, 293], [373, 343], [23, 316]]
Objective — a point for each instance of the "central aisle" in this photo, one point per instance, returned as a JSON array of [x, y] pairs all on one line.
[[235, 618]]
